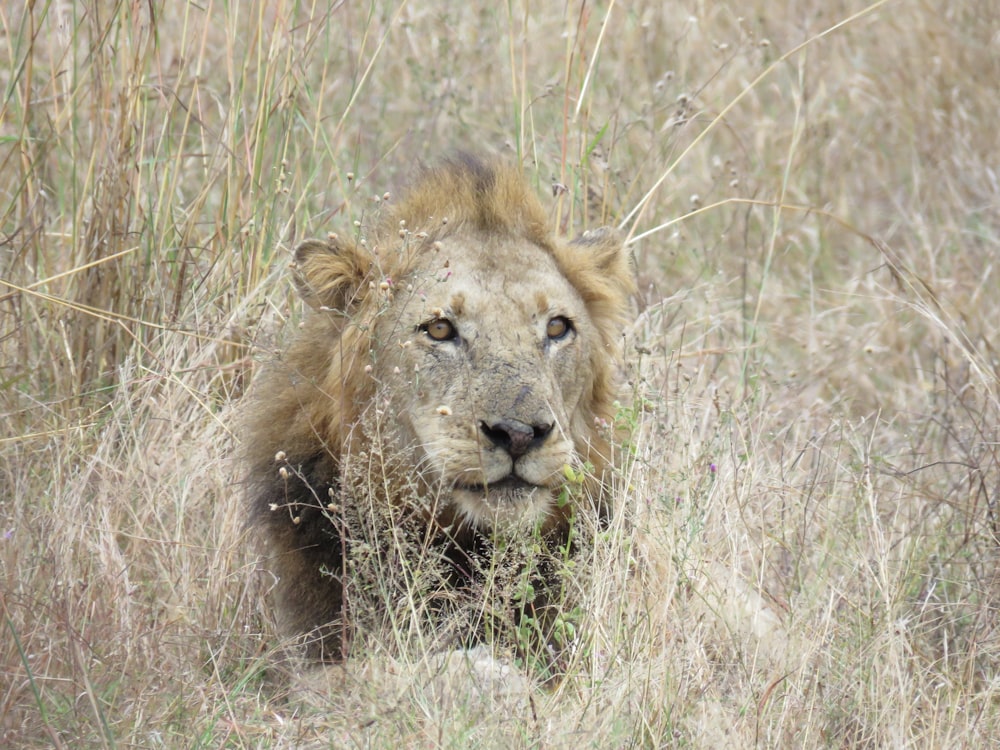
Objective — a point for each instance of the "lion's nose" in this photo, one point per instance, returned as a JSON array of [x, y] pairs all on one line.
[[515, 437]]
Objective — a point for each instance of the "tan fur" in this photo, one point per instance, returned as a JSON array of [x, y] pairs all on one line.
[[470, 435]]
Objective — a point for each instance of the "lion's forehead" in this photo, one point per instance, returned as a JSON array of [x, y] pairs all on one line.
[[489, 281]]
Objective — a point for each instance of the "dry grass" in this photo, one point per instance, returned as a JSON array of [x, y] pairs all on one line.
[[812, 559]]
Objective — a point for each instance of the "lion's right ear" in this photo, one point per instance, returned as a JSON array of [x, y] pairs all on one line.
[[330, 274]]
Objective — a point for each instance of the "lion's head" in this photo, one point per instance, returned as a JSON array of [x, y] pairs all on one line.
[[493, 347]]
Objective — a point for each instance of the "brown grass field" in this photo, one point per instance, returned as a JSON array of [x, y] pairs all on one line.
[[809, 528]]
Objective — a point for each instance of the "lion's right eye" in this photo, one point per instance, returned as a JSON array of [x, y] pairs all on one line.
[[440, 329], [558, 328]]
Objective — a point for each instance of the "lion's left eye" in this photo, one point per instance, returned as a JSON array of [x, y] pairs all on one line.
[[558, 328], [440, 329]]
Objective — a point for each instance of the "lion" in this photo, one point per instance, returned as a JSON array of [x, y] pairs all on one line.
[[454, 368]]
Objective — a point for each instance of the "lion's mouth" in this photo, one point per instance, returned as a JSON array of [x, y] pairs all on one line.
[[510, 486], [509, 501]]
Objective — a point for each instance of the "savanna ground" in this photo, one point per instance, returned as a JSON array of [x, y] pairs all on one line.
[[806, 548]]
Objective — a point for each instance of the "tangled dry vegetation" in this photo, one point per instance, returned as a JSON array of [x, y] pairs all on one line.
[[805, 549]]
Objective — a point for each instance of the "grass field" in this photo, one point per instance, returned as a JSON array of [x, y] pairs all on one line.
[[812, 191]]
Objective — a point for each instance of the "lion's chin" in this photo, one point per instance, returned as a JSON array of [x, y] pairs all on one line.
[[511, 502]]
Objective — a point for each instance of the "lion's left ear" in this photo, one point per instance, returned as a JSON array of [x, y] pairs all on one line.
[[606, 248], [330, 274], [607, 277]]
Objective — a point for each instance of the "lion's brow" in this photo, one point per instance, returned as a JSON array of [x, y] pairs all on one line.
[[541, 301]]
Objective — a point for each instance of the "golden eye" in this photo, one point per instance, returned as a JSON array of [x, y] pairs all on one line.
[[558, 328], [440, 329]]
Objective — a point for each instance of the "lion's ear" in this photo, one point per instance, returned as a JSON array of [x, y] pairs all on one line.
[[330, 274], [603, 253]]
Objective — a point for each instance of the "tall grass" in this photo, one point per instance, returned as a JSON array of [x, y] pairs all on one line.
[[806, 553]]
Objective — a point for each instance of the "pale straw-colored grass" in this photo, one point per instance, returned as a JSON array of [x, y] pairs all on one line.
[[805, 547]]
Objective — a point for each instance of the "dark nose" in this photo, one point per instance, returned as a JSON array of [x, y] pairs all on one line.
[[517, 438]]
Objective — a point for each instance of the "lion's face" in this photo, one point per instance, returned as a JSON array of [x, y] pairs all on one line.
[[485, 348], [486, 353]]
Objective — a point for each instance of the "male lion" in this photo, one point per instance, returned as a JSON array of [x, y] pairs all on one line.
[[456, 366]]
